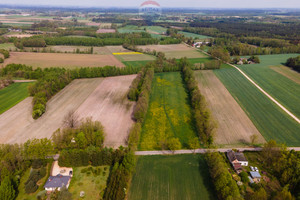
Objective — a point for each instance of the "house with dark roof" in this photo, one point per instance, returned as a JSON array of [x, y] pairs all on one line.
[[237, 160], [57, 182]]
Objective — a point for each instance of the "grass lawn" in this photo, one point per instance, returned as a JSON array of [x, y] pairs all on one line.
[[91, 180], [22, 195], [171, 177], [193, 35], [199, 60], [169, 113], [7, 46], [269, 119], [12, 95], [283, 89]]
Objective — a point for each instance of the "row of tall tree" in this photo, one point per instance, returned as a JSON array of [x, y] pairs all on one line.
[[204, 123]]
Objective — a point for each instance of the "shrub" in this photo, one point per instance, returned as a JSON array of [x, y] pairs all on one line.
[[31, 187]]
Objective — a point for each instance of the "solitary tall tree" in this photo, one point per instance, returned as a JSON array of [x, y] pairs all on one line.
[[7, 191]]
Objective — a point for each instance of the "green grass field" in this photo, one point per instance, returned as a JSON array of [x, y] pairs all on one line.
[[93, 184], [193, 35], [144, 62], [270, 120], [7, 46], [171, 177], [12, 95], [169, 113], [283, 89]]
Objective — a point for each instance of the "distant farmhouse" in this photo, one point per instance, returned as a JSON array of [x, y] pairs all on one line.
[[237, 160]]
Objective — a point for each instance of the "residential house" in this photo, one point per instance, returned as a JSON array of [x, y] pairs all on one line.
[[57, 182], [237, 157]]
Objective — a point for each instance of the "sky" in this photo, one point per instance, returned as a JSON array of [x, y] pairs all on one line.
[[163, 3]]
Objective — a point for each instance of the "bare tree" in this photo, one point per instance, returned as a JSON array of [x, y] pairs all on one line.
[[71, 120]]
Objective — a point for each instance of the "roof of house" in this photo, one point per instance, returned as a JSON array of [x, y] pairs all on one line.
[[237, 166], [231, 156], [255, 174], [240, 156], [250, 179], [57, 181], [236, 156]]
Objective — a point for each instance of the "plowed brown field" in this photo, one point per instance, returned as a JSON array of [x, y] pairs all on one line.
[[234, 126]]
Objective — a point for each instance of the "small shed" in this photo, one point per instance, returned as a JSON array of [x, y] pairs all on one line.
[[255, 176]]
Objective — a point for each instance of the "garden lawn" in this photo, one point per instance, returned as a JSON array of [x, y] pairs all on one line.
[[12, 95], [169, 114], [91, 180], [171, 178], [269, 119], [7, 46], [280, 87]]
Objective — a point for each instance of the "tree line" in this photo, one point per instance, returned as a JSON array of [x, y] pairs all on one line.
[[225, 186], [204, 123], [294, 63]]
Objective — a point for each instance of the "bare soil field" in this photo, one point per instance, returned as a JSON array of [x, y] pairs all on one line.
[[106, 30], [175, 50], [17, 125], [44, 60], [109, 105], [117, 49], [18, 35], [234, 126], [287, 72], [72, 49]]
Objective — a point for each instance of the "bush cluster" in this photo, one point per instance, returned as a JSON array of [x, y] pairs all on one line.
[[89, 156], [203, 120], [141, 107], [34, 177], [225, 186], [5, 53], [119, 177], [294, 63], [135, 87]]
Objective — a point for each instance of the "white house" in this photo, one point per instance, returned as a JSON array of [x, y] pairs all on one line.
[[237, 158]]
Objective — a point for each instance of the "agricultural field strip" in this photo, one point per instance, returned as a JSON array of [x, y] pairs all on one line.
[[264, 92], [268, 95], [203, 151], [234, 126]]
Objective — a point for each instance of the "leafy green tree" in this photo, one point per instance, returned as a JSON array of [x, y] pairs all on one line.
[[38, 148], [194, 143], [81, 140], [244, 177], [174, 144], [260, 194], [7, 191]]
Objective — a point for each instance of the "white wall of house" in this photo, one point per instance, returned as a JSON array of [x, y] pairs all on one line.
[[244, 163]]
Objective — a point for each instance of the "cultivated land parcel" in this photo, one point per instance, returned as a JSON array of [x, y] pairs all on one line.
[[283, 89], [12, 95], [103, 99], [234, 127], [169, 113], [171, 177], [269, 119]]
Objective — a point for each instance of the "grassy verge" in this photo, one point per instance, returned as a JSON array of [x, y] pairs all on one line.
[[171, 177], [12, 95], [169, 113]]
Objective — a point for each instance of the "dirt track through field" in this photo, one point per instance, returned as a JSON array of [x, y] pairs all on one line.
[[234, 126], [109, 105], [17, 125]]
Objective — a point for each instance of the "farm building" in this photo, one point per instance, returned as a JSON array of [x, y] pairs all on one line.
[[255, 175], [237, 160], [57, 182]]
